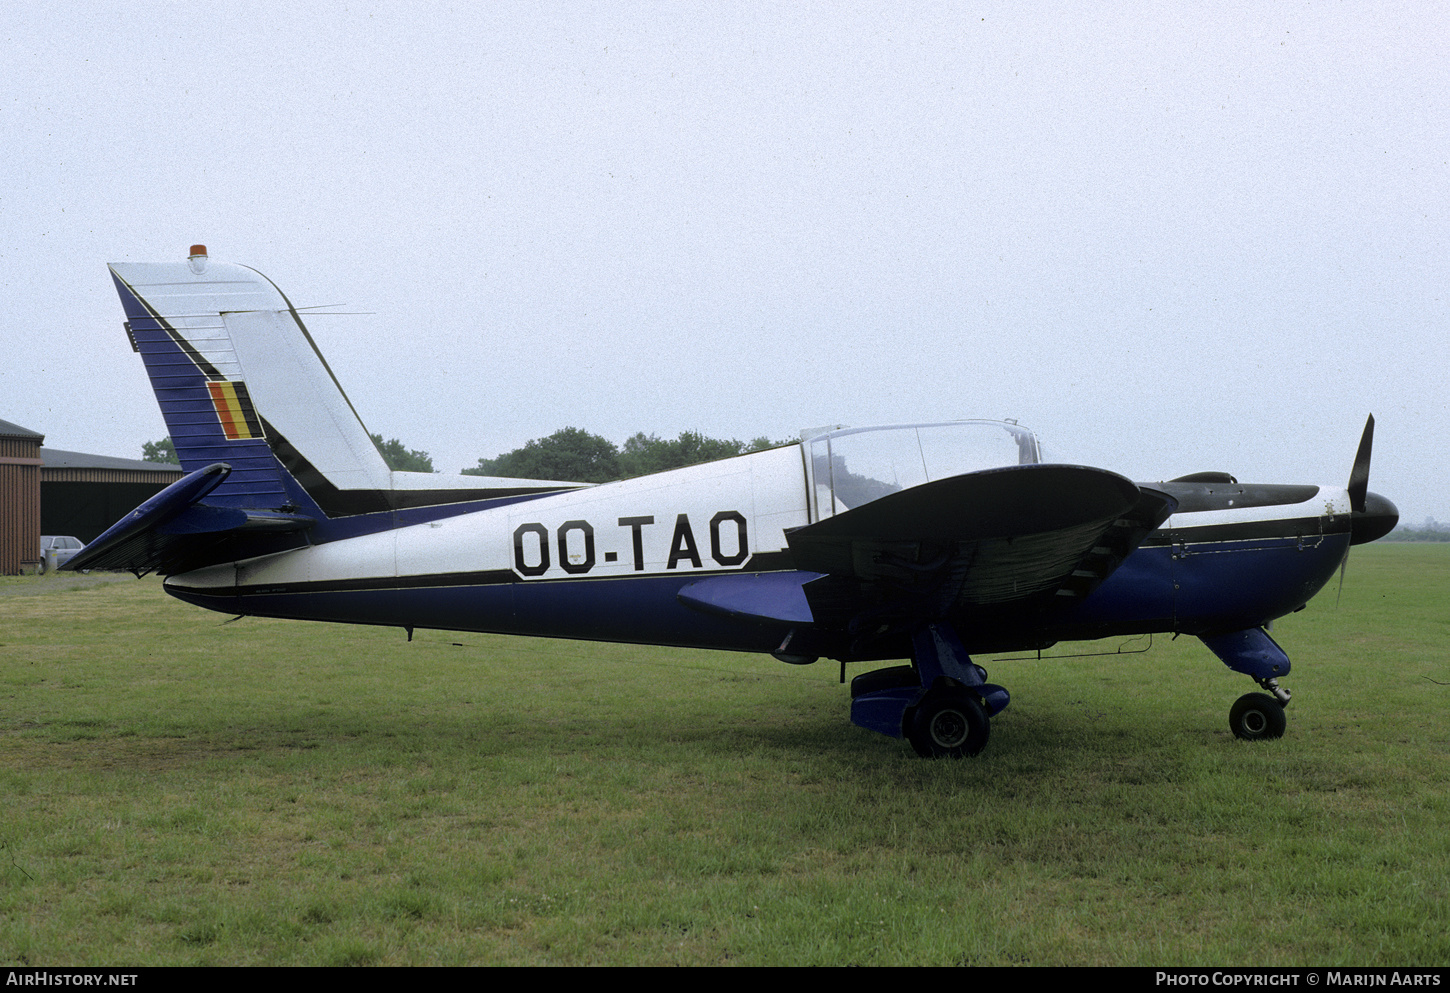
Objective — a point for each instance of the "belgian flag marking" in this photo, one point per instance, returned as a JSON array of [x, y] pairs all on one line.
[[234, 408]]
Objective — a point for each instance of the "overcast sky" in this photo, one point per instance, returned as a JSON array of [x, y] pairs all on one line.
[[1168, 237]]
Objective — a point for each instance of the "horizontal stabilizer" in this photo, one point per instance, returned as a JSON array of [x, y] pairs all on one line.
[[173, 527], [771, 596]]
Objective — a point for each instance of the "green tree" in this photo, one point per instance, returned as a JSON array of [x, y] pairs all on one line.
[[644, 454], [160, 451], [400, 458], [567, 454], [577, 455]]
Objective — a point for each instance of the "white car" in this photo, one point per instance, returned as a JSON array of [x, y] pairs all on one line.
[[65, 549]]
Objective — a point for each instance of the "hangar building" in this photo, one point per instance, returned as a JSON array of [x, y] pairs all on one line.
[[49, 491]]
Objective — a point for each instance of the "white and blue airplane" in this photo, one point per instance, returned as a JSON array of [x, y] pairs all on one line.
[[932, 542]]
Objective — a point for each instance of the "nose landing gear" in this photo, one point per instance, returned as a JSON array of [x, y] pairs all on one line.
[[1257, 717], [1254, 716]]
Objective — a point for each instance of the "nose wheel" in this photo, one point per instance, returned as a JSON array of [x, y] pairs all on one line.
[[1257, 717]]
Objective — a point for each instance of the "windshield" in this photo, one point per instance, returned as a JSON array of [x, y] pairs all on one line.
[[857, 465]]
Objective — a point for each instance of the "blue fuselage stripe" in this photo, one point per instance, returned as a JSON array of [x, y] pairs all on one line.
[[643, 611], [1193, 588]]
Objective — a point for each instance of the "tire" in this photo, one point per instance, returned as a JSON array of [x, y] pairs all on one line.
[[948, 724], [1257, 717]]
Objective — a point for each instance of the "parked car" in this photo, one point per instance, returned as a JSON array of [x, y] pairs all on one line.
[[65, 549]]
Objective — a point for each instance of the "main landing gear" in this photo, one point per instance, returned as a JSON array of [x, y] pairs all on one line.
[[1254, 716], [942, 704]]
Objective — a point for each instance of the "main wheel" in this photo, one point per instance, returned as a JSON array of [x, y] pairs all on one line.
[[950, 724], [1257, 717]]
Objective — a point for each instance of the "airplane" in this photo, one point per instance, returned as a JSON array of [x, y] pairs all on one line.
[[933, 542]]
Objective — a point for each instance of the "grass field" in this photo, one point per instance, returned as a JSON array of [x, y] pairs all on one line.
[[179, 790]]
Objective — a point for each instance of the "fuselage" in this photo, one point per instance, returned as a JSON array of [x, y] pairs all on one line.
[[608, 562]]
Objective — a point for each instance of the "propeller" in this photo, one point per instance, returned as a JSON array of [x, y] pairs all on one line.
[[1359, 475], [1371, 515]]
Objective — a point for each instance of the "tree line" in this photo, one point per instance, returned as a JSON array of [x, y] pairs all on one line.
[[576, 455], [568, 454], [1432, 531]]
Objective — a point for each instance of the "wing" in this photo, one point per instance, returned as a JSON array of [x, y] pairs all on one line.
[[997, 548], [1003, 542]]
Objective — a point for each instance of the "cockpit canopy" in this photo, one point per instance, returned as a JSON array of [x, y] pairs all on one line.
[[853, 466]]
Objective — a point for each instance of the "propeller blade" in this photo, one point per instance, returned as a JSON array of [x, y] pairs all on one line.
[[1359, 475]]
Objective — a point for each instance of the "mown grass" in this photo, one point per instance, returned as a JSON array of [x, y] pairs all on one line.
[[178, 790]]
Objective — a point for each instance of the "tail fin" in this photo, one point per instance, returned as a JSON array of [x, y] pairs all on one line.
[[240, 381], [175, 319]]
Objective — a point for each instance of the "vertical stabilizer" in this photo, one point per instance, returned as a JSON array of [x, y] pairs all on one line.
[[237, 377], [240, 381]]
